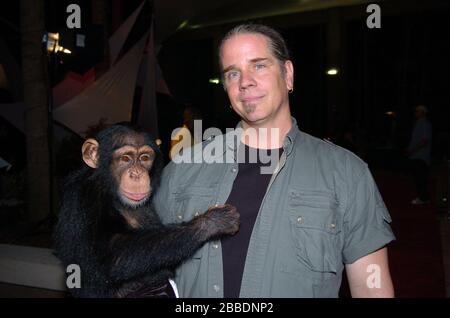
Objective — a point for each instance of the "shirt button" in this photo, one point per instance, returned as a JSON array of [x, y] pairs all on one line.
[[196, 214], [215, 245], [300, 220], [332, 225], [216, 288], [234, 169], [180, 217]]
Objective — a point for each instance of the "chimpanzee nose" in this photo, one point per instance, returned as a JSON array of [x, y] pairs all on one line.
[[134, 174]]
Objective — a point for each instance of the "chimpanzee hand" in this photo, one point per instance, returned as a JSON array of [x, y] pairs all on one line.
[[219, 220]]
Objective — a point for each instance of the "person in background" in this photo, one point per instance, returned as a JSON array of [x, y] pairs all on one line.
[[190, 115], [419, 154]]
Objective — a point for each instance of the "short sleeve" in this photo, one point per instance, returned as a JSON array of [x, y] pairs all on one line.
[[366, 220]]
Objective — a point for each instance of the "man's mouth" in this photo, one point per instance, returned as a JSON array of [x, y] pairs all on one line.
[[251, 99]]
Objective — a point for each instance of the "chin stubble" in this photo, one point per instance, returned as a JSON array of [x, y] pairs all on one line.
[[250, 108]]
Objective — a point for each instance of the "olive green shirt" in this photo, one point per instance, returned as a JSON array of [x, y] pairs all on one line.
[[321, 210]]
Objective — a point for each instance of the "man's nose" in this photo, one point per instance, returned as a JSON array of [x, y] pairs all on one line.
[[247, 80]]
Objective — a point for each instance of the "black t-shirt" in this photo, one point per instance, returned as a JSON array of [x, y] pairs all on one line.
[[247, 194]]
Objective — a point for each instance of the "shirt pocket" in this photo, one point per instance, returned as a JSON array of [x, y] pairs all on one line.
[[314, 229], [191, 201]]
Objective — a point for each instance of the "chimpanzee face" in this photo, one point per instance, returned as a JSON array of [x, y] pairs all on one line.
[[130, 168], [131, 160]]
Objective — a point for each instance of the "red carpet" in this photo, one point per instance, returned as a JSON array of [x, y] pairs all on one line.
[[416, 256]]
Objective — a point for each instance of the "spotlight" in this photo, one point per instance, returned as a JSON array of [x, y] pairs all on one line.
[[214, 81], [332, 71], [390, 113]]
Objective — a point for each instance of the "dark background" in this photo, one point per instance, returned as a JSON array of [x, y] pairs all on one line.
[[392, 69]]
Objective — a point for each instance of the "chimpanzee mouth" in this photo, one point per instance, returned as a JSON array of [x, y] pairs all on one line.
[[134, 199]]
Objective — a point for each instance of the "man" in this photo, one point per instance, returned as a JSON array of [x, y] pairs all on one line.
[[419, 153], [317, 212]]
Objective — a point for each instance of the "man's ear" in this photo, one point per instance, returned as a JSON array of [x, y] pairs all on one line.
[[289, 76], [89, 152], [158, 142]]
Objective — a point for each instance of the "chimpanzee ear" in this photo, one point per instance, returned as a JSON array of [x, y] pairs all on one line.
[[90, 153]]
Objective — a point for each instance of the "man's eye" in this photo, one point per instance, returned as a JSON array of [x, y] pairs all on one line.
[[125, 158], [232, 75], [260, 66]]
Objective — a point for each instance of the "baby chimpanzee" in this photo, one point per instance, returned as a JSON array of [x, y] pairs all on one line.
[[108, 227]]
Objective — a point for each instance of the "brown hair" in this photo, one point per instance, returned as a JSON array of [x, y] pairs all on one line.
[[276, 42]]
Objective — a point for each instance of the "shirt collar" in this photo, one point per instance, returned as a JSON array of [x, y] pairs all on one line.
[[288, 142]]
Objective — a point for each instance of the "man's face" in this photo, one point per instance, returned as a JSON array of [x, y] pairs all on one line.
[[256, 86]]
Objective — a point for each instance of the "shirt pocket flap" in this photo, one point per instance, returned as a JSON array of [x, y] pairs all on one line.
[[314, 210], [186, 191], [191, 201]]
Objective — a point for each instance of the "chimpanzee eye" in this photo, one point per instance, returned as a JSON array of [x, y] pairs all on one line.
[[125, 158], [145, 158]]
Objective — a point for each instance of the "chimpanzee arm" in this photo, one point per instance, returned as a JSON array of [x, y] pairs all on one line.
[[166, 247], [145, 253]]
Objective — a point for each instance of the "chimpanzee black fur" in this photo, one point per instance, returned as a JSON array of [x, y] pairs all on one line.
[[117, 259]]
